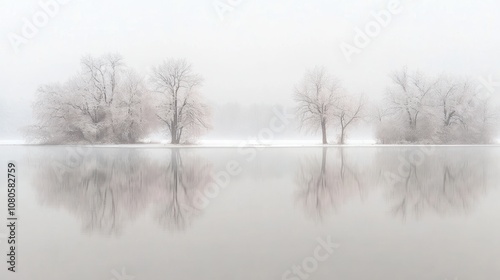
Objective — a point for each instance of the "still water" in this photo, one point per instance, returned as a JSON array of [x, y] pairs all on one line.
[[271, 213]]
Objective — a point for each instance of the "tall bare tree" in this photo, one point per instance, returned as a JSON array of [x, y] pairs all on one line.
[[180, 106], [348, 111], [408, 95], [316, 99]]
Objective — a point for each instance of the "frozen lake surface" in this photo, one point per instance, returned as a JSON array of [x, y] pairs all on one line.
[[348, 213]]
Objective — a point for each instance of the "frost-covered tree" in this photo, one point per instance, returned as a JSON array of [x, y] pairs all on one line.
[[380, 117], [316, 99], [134, 116], [463, 116], [450, 98], [180, 106], [480, 123], [407, 99], [103, 103], [430, 109]]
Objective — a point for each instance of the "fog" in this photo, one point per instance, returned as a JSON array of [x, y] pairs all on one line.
[[250, 53]]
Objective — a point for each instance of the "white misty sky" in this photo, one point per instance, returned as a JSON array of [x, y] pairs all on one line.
[[256, 54]]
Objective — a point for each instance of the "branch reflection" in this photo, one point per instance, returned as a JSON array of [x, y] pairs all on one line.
[[444, 182], [107, 188], [328, 182]]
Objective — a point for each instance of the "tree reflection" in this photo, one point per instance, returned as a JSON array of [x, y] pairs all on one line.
[[107, 188], [326, 183], [179, 184], [445, 181]]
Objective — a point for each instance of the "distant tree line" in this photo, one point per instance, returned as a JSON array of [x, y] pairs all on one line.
[[108, 102]]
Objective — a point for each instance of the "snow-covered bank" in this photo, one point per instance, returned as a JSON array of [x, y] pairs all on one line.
[[244, 145]]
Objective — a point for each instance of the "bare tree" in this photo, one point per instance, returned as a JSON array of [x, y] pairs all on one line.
[[180, 107], [450, 96], [408, 98], [100, 104], [441, 109], [348, 111], [102, 75], [379, 113], [316, 99], [462, 116]]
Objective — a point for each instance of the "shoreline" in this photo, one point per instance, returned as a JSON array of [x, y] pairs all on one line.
[[194, 146]]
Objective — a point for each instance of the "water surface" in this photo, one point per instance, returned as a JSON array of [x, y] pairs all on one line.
[[226, 213]]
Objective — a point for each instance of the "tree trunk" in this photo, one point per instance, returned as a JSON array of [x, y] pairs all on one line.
[[342, 136], [410, 120], [323, 131], [175, 122], [173, 132]]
